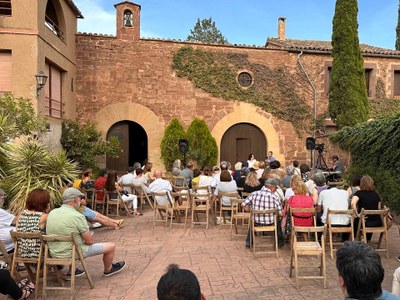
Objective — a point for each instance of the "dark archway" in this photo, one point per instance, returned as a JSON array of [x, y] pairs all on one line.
[[134, 146], [240, 140]]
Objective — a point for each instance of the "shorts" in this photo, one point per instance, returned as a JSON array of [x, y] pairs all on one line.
[[89, 214], [94, 249]]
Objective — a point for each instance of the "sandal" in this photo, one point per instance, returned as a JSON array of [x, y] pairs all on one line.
[[138, 214], [28, 290], [22, 283]]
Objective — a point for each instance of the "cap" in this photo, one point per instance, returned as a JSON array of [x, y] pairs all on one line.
[[271, 181], [71, 193]]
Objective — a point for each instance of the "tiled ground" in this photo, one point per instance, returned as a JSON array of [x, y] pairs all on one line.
[[226, 270]]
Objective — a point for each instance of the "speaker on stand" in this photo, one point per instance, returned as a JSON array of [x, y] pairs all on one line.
[[183, 148], [310, 145]]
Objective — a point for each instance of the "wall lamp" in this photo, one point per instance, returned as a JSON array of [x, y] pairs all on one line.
[[41, 80]]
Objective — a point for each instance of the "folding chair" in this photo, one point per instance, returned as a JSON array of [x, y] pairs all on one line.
[[223, 209], [34, 275], [4, 256], [69, 261], [201, 203], [117, 202], [254, 229], [309, 248], [143, 193], [89, 197], [332, 229], [179, 183], [181, 204], [161, 208], [382, 230], [239, 215], [99, 198], [299, 213]]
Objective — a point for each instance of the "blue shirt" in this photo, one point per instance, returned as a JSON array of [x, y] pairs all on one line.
[[384, 296]]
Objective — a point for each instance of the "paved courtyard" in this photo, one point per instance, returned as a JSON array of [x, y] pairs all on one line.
[[225, 269]]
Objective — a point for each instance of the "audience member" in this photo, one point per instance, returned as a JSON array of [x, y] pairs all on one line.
[[179, 284], [355, 186], [66, 220], [287, 177], [361, 272], [21, 290], [226, 185], [242, 179], [261, 168], [238, 168], [147, 171], [7, 223], [187, 173], [139, 179], [334, 199], [205, 179], [216, 178], [176, 167], [159, 185], [296, 169], [251, 183], [87, 182], [127, 178], [100, 184]]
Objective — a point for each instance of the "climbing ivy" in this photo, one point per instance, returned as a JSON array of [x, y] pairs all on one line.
[[381, 105], [374, 147], [274, 90]]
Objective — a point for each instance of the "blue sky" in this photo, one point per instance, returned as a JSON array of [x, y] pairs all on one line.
[[246, 22]]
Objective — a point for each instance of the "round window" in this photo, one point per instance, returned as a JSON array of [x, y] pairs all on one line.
[[245, 79]]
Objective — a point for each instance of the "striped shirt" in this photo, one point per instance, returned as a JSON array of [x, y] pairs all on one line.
[[262, 200]]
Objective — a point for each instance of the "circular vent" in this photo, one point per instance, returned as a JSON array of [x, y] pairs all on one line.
[[245, 79]]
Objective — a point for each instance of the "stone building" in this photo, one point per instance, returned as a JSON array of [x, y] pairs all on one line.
[[127, 84]]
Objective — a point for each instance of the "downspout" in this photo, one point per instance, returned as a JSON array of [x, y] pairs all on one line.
[[315, 100]]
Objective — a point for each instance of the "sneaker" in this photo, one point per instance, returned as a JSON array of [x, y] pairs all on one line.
[[116, 268], [78, 273], [96, 225]]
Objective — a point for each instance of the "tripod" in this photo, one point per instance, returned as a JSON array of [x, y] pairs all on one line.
[[321, 163]]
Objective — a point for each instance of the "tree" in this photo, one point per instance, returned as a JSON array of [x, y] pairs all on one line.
[[202, 145], [398, 29], [348, 102], [169, 144], [206, 31], [83, 143]]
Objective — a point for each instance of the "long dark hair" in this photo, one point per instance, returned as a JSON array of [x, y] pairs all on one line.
[[111, 179]]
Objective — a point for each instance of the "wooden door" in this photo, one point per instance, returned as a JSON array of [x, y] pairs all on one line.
[[240, 140], [121, 131]]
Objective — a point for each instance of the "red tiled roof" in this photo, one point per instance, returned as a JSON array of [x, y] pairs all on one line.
[[323, 46]]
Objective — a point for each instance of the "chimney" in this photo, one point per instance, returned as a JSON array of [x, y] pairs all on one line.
[[282, 28]]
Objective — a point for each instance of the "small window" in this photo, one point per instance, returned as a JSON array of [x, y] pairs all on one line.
[[52, 20], [368, 77], [128, 18], [5, 8], [245, 79], [396, 87]]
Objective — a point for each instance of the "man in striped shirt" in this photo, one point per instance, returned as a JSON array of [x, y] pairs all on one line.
[[262, 200]]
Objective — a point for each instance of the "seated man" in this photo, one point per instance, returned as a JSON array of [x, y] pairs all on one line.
[[361, 272], [67, 220], [265, 198], [7, 223], [159, 185], [179, 284], [334, 199]]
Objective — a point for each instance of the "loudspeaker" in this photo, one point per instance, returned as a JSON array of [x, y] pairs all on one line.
[[310, 143], [183, 146]]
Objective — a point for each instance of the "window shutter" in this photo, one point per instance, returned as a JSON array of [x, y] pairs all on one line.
[[5, 71]]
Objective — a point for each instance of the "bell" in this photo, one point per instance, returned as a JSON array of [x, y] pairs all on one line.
[[128, 19]]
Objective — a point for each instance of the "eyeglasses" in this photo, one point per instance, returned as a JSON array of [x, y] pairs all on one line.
[[83, 197]]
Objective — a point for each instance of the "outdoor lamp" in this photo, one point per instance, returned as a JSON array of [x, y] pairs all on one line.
[[41, 80]]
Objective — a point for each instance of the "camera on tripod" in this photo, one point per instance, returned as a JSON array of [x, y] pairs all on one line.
[[319, 147]]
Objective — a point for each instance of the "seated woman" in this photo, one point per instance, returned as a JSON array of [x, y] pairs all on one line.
[[366, 198], [301, 200], [205, 179], [196, 177], [87, 181], [226, 185], [33, 219], [112, 185], [251, 183], [21, 290]]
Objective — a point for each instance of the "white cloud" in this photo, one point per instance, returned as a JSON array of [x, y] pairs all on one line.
[[96, 18]]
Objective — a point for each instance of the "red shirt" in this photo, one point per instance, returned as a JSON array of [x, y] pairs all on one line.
[[99, 184]]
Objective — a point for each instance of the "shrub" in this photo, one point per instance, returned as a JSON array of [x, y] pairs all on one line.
[[169, 144]]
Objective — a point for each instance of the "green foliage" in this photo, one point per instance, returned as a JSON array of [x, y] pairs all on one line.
[[374, 148], [273, 89], [31, 165], [206, 31], [348, 102], [169, 144], [398, 29], [202, 145], [382, 106], [17, 118], [83, 143]]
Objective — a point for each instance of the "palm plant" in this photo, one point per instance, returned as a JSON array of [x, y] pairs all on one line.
[[30, 165]]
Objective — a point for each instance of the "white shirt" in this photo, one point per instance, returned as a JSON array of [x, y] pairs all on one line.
[[226, 187], [5, 226], [126, 179], [157, 186], [204, 181], [334, 199], [215, 180]]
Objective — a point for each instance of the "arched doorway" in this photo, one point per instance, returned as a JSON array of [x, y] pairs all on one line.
[[240, 140], [134, 146]]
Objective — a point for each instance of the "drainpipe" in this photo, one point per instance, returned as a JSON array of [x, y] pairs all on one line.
[[315, 100]]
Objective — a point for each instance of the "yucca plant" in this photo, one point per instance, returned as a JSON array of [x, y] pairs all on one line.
[[31, 165]]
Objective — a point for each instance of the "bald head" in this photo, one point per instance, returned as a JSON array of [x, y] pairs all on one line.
[[157, 173]]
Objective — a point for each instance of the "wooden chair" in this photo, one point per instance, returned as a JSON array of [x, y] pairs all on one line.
[[297, 212], [183, 203], [4, 256], [53, 262], [89, 197], [179, 183], [34, 275], [382, 230], [223, 209], [239, 215], [332, 229], [309, 248], [161, 209], [338, 184], [265, 228], [201, 203], [99, 200], [117, 202]]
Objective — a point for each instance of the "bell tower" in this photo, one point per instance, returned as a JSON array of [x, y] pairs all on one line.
[[128, 20]]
